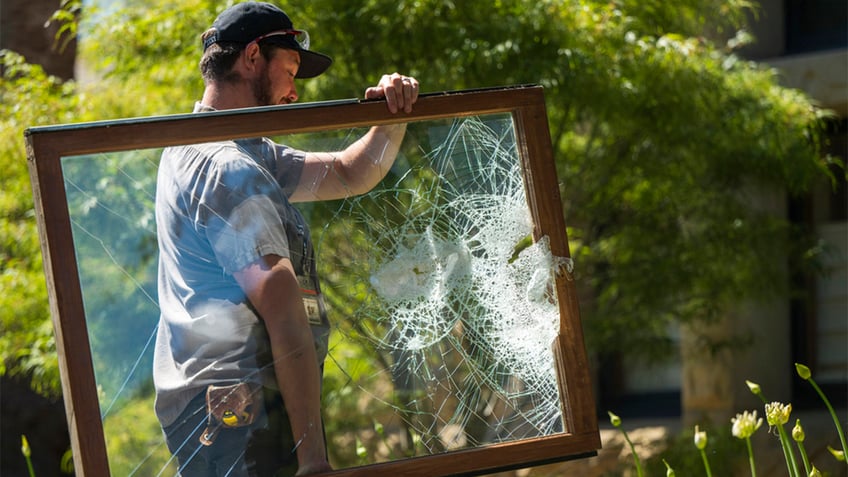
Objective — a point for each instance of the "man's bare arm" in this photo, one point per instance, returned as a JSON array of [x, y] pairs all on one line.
[[362, 165], [353, 171], [271, 286]]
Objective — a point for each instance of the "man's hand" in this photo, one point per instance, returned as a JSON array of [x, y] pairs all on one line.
[[400, 92]]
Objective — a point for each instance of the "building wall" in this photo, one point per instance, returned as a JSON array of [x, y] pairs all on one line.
[[807, 43], [769, 29]]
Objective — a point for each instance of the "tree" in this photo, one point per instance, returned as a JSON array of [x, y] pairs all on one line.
[[644, 110]]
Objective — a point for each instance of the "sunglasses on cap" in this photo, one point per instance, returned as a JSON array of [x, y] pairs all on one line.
[[301, 37]]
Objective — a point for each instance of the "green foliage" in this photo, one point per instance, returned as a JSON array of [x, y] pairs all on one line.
[[663, 141], [147, 54], [67, 19], [663, 137], [134, 441], [726, 454], [28, 97], [661, 179], [688, 17]]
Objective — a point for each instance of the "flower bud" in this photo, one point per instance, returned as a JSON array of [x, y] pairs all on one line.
[[803, 371], [669, 472], [700, 439], [838, 454], [798, 431], [754, 387], [25, 450], [614, 420]]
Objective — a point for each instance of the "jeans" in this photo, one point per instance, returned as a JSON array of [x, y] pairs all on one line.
[[263, 449]]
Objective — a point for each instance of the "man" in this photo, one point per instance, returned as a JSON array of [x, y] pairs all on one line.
[[243, 330]]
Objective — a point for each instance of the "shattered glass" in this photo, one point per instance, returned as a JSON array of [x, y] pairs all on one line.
[[442, 307]]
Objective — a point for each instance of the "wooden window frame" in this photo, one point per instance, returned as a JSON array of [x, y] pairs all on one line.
[[46, 146]]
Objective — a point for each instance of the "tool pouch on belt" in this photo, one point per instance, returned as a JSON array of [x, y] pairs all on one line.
[[230, 406]]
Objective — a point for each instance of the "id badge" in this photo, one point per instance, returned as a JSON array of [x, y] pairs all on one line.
[[313, 313], [310, 301]]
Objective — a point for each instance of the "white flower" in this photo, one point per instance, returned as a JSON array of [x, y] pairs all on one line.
[[777, 414], [745, 424]]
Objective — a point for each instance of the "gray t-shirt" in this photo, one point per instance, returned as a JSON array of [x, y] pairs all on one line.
[[219, 207]]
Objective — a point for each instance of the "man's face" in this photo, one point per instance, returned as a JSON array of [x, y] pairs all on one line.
[[275, 82]]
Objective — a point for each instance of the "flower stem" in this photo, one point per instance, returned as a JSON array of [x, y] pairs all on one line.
[[706, 463], [751, 457], [791, 466], [635, 455], [804, 457], [25, 450], [832, 415]]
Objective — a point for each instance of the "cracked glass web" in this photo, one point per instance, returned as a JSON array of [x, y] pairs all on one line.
[[442, 306]]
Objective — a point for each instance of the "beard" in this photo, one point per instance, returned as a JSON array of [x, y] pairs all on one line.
[[262, 89]]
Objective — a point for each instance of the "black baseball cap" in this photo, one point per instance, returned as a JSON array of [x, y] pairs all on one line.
[[255, 21]]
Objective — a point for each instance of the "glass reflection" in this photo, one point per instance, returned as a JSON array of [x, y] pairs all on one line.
[[441, 306]]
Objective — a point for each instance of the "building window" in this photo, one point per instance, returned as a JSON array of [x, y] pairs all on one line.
[[816, 25], [818, 306]]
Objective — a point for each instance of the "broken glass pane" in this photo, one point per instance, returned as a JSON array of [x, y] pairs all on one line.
[[442, 307]]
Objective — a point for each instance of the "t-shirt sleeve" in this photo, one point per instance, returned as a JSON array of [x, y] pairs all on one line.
[[244, 207], [284, 163]]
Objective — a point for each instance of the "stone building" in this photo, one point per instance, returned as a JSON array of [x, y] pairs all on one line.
[[807, 42]]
